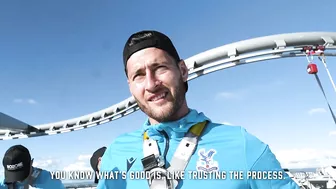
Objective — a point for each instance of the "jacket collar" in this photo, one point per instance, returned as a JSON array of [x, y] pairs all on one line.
[[175, 129]]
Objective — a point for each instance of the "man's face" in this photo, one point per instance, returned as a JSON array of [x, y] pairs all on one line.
[[157, 83]]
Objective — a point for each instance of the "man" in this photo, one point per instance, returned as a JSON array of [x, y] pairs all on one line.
[[20, 174], [176, 138], [95, 161]]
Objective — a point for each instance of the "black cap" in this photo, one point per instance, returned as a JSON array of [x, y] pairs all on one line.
[[94, 160], [149, 38], [17, 163], [146, 39]]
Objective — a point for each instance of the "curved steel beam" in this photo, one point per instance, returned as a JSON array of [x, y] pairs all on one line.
[[227, 56]]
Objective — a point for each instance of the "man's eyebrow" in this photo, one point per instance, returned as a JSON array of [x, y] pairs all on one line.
[[138, 71], [156, 64], [152, 65]]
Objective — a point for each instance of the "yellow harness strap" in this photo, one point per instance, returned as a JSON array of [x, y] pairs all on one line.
[[196, 130]]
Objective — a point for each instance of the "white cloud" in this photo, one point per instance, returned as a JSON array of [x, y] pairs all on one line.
[[49, 164], [31, 101], [24, 101], [78, 166], [84, 157], [82, 164], [226, 95], [305, 158], [332, 133], [316, 110]]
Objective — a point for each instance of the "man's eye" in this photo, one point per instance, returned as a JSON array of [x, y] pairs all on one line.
[[137, 76], [160, 67]]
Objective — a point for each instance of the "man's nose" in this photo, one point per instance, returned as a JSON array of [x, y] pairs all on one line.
[[151, 82]]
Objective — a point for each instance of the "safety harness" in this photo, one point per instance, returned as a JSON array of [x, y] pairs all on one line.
[[31, 180], [312, 69], [154, 163]]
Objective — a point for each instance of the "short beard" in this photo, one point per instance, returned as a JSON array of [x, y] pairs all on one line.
[[173, 107]]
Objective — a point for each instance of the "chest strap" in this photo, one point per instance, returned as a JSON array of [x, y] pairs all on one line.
[[153, 161]]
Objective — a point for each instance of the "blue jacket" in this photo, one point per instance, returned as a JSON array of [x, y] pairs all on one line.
[[235, 150], [43, 181]]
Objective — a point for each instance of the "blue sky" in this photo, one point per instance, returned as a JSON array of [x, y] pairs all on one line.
[[63, 60]]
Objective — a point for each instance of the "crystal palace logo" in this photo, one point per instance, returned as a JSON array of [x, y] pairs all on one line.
[[205, 162]]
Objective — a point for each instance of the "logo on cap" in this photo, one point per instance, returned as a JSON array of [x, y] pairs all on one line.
[[15, 166], [139, 38]]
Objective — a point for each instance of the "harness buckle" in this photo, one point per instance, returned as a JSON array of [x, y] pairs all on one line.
[[150, 162]]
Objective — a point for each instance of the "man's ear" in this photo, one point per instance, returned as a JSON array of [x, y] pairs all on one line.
[[184, 70]]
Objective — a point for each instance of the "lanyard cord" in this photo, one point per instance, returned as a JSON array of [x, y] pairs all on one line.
[[166, 146], [322, 59]]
